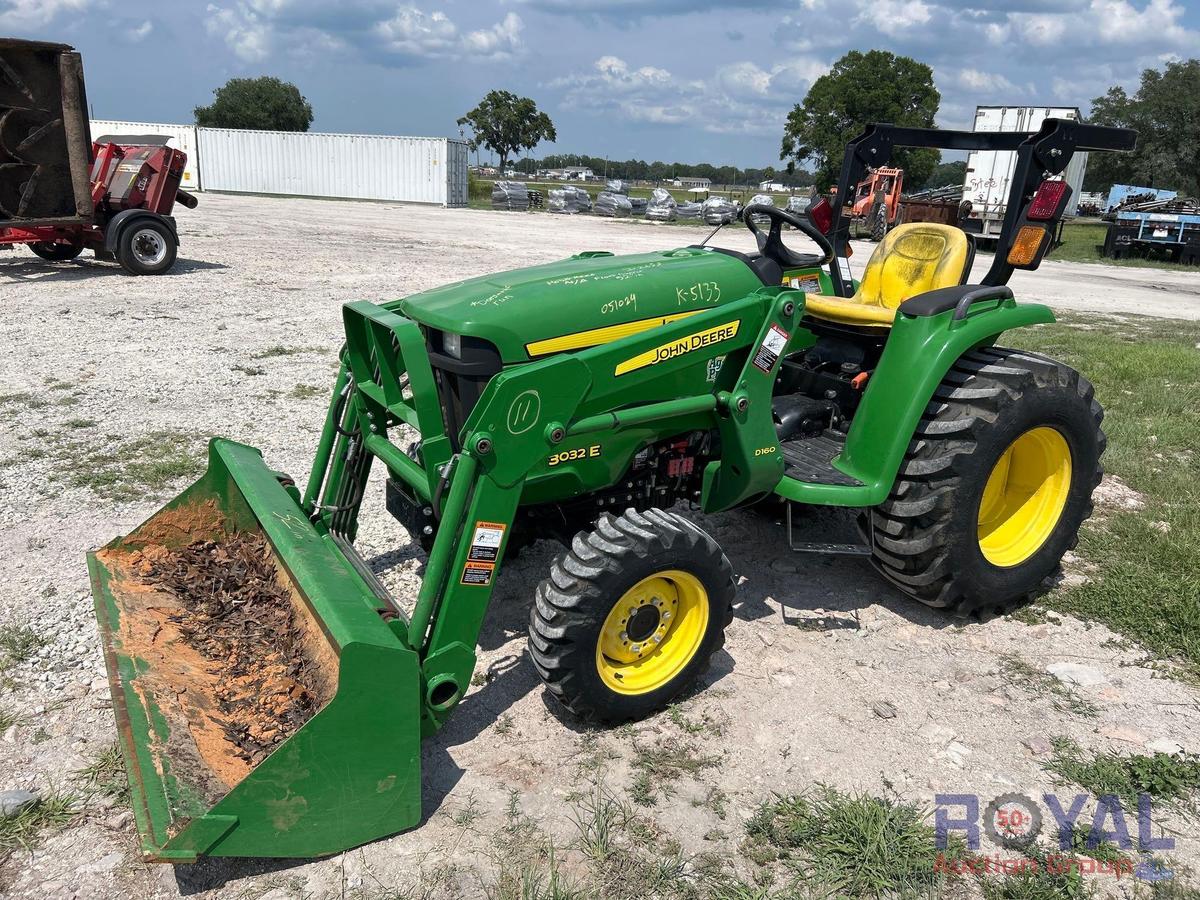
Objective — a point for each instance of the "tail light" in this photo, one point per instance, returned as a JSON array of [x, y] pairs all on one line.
[[1048, 201], [821, 215], [1027, 248]]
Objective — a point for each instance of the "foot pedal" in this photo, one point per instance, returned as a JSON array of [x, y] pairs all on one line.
[[825, 549]]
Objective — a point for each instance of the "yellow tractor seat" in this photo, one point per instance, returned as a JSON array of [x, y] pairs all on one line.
[[910, 260]]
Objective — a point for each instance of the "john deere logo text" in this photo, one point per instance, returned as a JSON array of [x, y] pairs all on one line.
[[692, 342]]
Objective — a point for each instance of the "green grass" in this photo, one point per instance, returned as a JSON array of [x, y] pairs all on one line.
[[105, 775], [1037, 881], [8, 719], [283, 350], [657, 767], [1083, 241], [19, 642], [1171, 779], [1036, 682], [307, 391], [853, 845], [1146, 583], [54, 810], [127, 469]]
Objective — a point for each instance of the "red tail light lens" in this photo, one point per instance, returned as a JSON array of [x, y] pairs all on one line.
[[1048, 201], [821, 214]]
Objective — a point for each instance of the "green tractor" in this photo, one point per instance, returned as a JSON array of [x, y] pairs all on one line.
[[584, 400]]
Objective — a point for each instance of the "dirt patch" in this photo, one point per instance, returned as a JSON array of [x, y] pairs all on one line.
[[180, 526], [232, 658]]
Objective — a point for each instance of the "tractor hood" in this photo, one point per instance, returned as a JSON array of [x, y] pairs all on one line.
[[588, 299]]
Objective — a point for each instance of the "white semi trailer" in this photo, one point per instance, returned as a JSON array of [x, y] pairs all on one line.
[[989, 172]]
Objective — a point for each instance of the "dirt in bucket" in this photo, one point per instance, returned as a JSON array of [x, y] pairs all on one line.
[[239, 617], [229, 654]]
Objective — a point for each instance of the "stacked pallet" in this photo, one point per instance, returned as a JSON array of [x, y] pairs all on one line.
[[719, 211], [613, 205], [510, 196], [662, 206]]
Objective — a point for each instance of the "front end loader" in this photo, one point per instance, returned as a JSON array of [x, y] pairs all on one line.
[[271, 695]]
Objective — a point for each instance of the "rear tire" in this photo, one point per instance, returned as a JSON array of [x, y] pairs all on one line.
[[1002, 424], [146, 247], [652, 571], [53, 252]]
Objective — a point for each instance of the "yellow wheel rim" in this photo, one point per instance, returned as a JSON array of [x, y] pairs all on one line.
[[652, 632], [1024, 497]]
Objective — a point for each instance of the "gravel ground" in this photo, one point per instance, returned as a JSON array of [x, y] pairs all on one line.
[[240, 339]]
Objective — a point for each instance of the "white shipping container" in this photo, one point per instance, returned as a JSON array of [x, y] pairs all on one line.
[[182, 137], [989, 172], [349, 166]]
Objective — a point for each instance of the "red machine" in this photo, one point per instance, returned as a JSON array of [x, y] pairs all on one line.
[[59, 192]]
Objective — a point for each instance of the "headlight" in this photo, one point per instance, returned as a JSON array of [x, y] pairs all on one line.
[[452, 345]]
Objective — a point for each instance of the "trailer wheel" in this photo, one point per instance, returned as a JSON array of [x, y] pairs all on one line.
[[631, 615], [56, 252], [995, 485], [146, 247]]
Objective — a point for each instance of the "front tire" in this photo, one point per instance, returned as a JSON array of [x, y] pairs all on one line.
[[54, 252], [995, 485], [146, 247], [879, 223], [631, 615]]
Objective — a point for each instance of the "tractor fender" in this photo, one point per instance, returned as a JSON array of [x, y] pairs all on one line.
[[920, 351], [127, 217]]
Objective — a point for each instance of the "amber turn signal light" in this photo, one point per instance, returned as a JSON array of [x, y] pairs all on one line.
[[1027, 247]]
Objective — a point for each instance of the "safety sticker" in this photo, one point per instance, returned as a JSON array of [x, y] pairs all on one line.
[[771, 348], [485, 550], [810, 283]]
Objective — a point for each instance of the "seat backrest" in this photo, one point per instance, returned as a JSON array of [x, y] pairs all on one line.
[[912, 259]]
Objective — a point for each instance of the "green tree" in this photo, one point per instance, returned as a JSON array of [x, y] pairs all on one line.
[[1166, 113], [943, 175], [265, 103], [506, 124], [862, 88]]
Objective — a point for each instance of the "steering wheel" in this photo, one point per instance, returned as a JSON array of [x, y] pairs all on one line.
[[771, 244]]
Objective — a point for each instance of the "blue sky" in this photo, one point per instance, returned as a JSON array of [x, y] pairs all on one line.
[[686, 80]]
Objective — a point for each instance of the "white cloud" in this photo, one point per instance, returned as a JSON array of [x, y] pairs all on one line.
[[893, 17], [501, 41], [741, 97], [242, 29], [254, 29], [1116, 22], [417, 33], [141, 32], [978, 80], [36, 13]]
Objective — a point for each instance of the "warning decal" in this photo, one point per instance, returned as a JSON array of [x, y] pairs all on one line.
[[771, 349], [810, 283], [485, 550]]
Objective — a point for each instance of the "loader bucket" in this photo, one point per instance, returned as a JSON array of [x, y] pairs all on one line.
[[265, 708]]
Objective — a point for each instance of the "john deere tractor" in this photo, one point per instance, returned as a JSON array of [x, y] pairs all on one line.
[[585, 400]]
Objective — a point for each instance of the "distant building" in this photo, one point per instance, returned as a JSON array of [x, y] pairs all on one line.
[[771, 186], [689, 182], [567, 173]]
